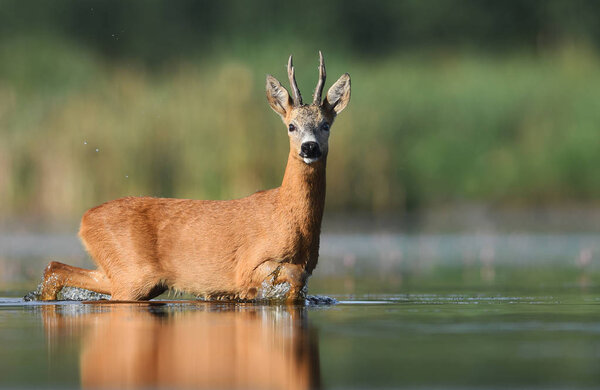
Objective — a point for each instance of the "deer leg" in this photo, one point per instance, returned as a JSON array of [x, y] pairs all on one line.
[[295, 275], [274, 272], [58, 275]]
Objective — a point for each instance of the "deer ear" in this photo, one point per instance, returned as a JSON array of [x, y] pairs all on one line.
[[338, 95], [278, 97]]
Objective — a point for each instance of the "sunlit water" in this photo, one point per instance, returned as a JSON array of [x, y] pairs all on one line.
[[426, 312]]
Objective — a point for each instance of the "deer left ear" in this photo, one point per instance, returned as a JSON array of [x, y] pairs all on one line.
[[338, 95], [278, 97]]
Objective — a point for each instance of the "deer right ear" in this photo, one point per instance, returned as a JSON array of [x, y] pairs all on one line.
[[338, 95], [278, 97]]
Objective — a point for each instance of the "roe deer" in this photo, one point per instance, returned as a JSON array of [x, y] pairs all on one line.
[[251, 248], [156, 347]]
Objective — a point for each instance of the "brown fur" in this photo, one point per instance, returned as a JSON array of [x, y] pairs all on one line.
[[143, 246], [230, 347]]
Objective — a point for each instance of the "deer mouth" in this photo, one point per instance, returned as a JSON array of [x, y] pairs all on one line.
[[309, 159]]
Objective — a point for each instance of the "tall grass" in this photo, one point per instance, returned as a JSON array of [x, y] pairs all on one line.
[[419, 131]]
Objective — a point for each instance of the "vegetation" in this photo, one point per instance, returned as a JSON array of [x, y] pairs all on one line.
[[82, 122]]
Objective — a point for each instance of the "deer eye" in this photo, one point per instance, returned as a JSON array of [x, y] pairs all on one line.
[[325, 126], [291, 127]]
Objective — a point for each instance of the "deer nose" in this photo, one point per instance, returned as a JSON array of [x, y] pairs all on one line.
[[310, 150]]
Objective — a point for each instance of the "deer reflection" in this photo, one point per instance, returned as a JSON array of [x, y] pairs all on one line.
[[208, 346]]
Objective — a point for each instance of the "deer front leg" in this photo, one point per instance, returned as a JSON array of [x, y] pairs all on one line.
[[295, 275], [274, 278]]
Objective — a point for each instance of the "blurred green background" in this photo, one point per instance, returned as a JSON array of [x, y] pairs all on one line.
[[453, 102]]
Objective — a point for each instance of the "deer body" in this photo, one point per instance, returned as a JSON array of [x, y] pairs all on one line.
[[217, 249]]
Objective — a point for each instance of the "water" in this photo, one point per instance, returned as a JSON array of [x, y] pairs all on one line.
[[375, 341], [458, 311]]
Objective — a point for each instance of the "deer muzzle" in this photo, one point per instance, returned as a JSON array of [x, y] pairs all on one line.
[[310, 150]]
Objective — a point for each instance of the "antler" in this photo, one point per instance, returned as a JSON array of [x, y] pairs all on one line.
[[321, 82], [292, 76]]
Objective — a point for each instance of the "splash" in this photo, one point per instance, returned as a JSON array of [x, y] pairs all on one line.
[[34, 295], [67, 294], [318, 300], [269, 291], [80, 294]]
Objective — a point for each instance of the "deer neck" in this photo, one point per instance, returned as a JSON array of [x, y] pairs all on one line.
[[302, 194]]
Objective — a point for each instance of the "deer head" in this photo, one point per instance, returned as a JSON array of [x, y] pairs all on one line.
[[308, 124]]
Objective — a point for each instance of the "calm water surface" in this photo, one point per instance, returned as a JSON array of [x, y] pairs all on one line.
[[376, 341]]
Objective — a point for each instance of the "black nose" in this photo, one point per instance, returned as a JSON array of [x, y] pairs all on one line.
[[310, 150]]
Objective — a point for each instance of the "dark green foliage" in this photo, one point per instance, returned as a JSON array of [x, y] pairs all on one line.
[[156, 31]]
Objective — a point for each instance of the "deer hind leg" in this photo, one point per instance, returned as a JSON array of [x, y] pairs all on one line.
[[58, 275]]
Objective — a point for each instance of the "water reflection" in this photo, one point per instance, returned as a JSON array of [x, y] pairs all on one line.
[[196, 345]]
